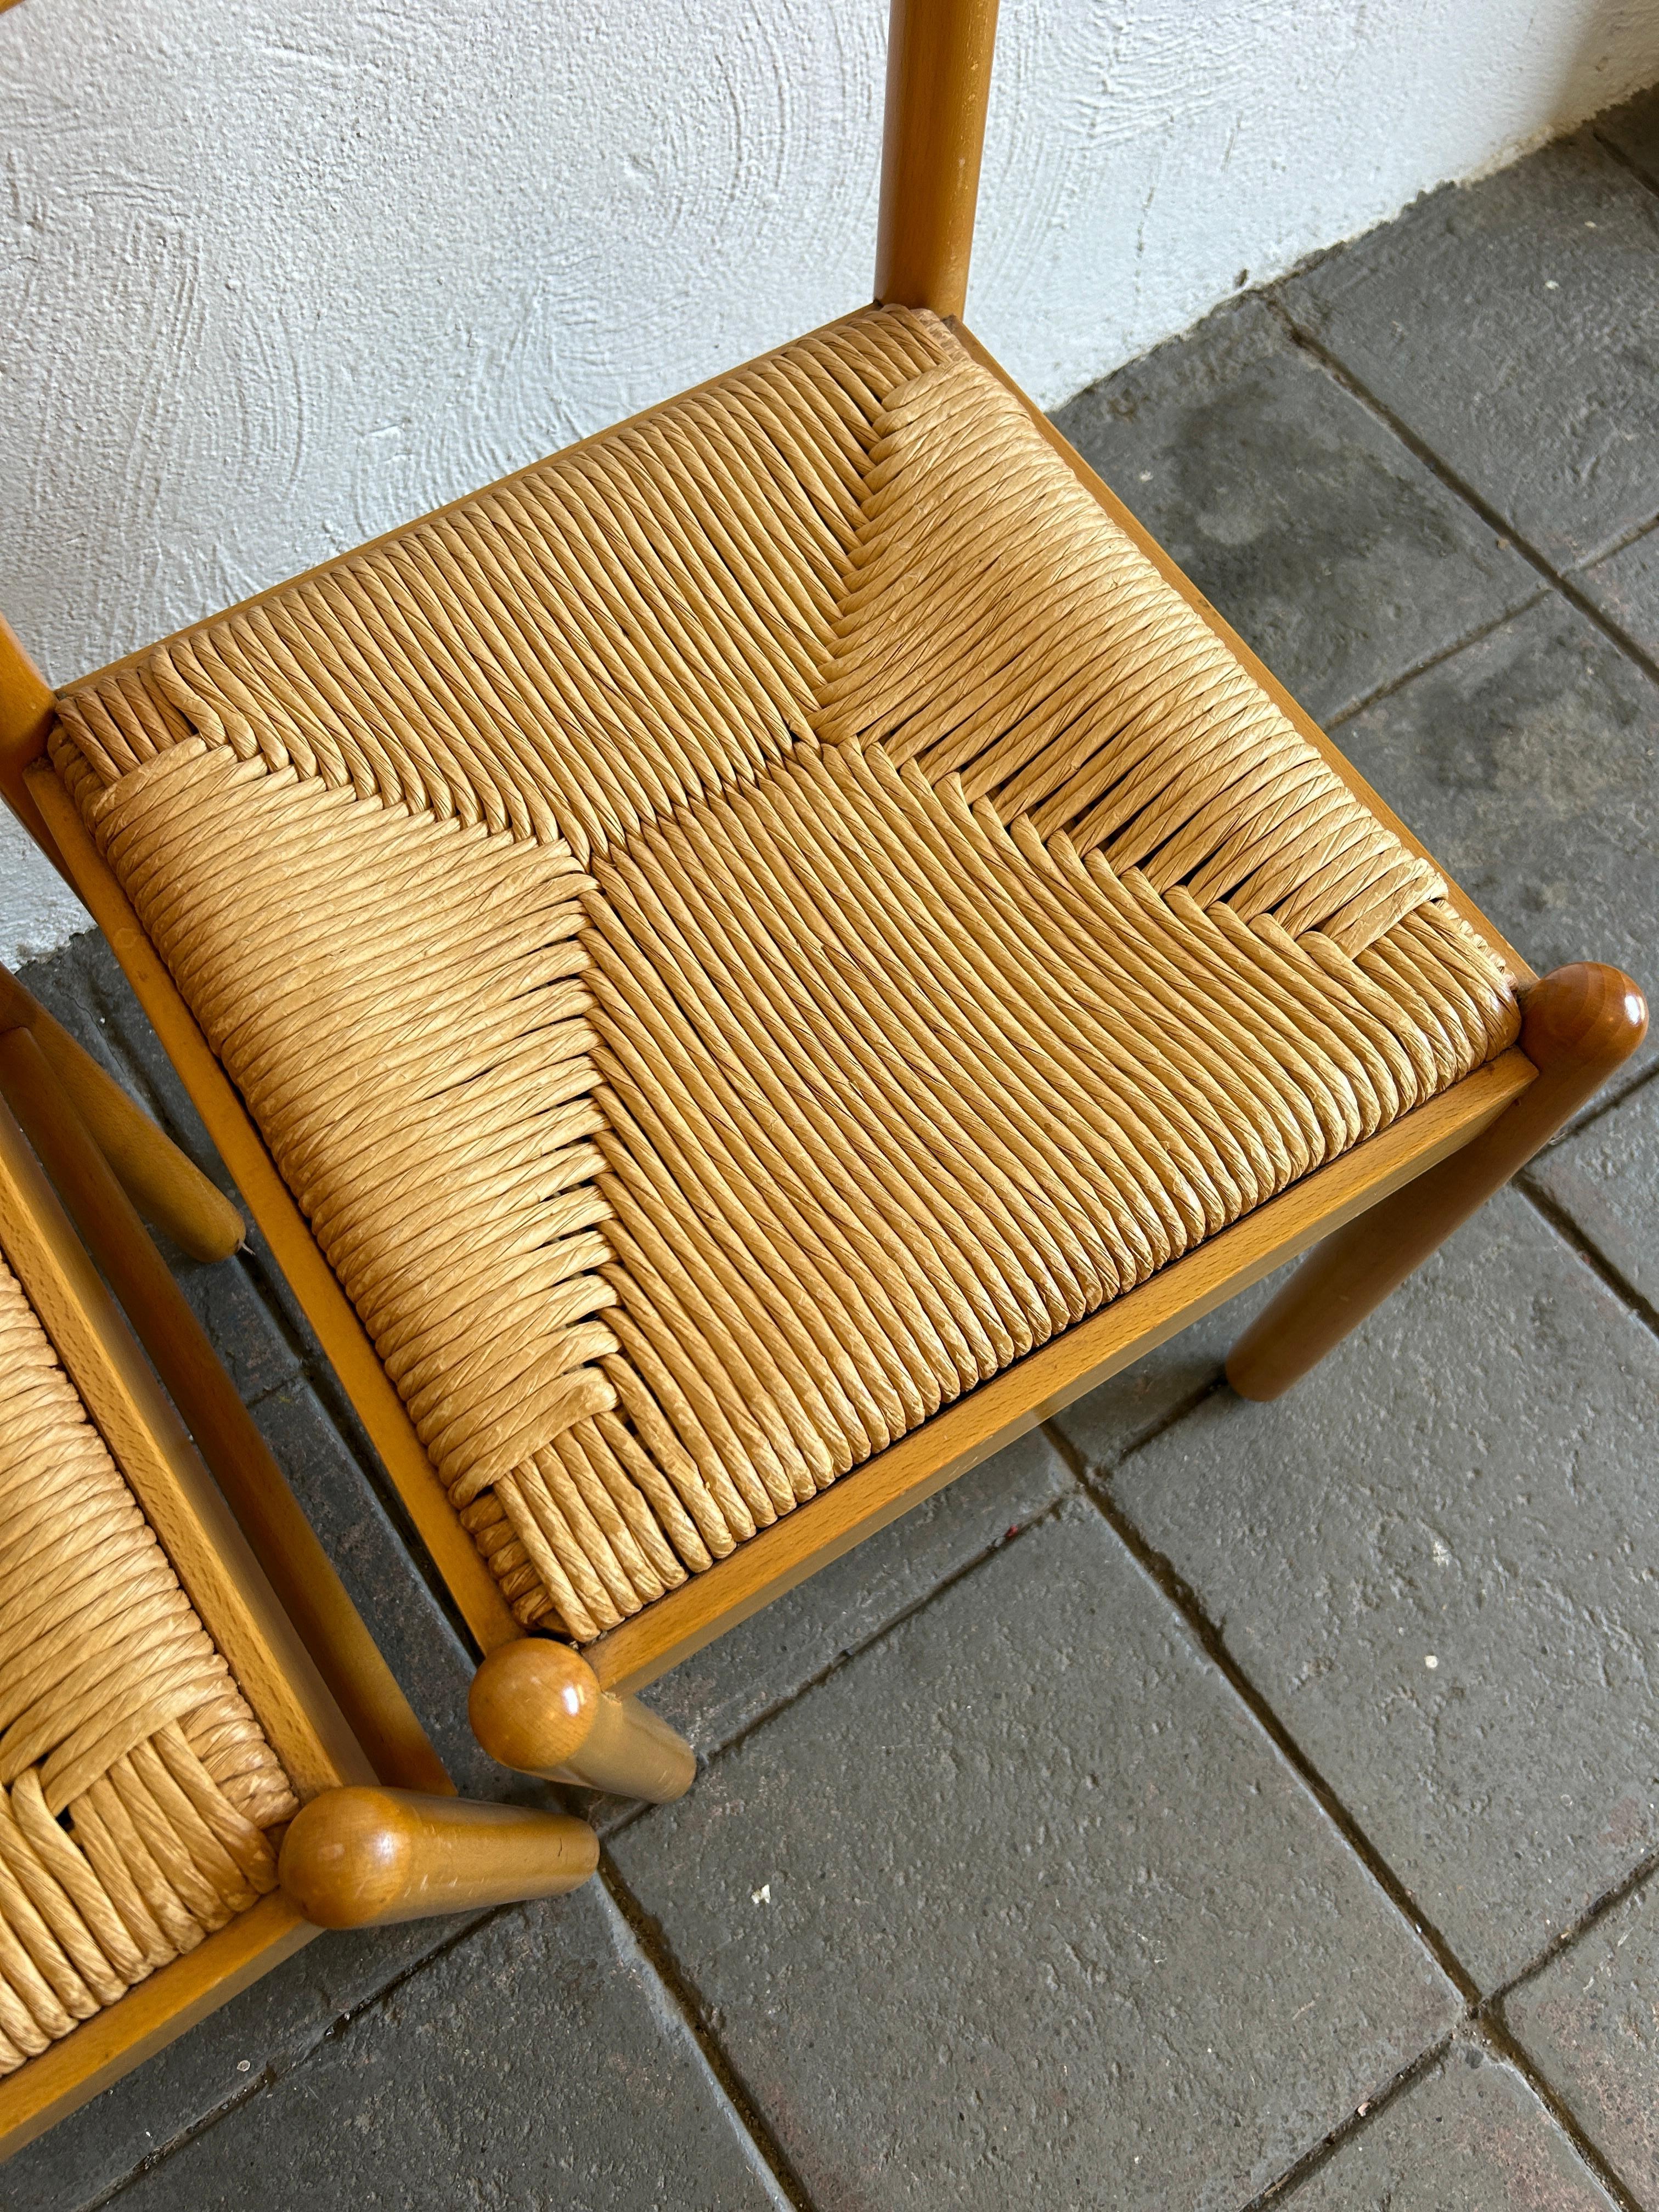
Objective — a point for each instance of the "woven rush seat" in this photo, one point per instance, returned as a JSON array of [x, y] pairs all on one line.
[[741, 931], [138, 1787]]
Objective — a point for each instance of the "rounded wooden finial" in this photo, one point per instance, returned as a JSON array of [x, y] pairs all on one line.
[[362, 1857], [537, 1706], [1586, 1016], [346, 1857], [533, 1705]]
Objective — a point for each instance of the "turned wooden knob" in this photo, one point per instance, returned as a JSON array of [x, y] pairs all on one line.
[[537, 1707], [1585, 1018], [364, 1857], [532, 1705]]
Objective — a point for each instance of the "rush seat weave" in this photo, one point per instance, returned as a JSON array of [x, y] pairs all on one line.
[[738, 932], [137, 1786]]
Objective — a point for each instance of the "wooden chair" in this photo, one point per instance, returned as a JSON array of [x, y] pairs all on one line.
[[182, 1800], [748, 963]]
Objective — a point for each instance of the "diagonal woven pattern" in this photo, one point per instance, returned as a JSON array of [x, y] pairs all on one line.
[[135, 1784], [737, 934]]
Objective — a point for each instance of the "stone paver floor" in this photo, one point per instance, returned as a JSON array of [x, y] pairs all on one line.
[[1202, 1804]]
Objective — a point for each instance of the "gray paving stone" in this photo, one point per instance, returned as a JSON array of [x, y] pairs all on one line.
[[1606, 1180], [1590, 2023], [1513, 326], [376, 1563], [1021, 1903], [536, 2064], [1335, 552], [1625, 587], [1108, 1423], [240, 1325], [1435, 1558], [1528, 763], [727, 1688], [1634, 129], [1470, 2137], [266, 2031]]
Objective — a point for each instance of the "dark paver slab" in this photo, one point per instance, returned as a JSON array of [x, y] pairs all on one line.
[[1633, 128], [1322, 538], [1332, 550], [1606, 1179], [1470, 2137], [1625, 587], [1435, 1558], [1591, 2022], [1513, 326], [251, 1342], [1528, 763], [536, 2064], [253, 2040], [1022, 1904], [724, 1689]]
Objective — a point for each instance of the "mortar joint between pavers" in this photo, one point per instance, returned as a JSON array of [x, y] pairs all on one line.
[[686, 1998], [1334, 365], [1084, 1472], [1488, 2026], [1397, 683], [1210, 1641], [850, 1652], [1280, 2190], [275, 2069], [1618, 153], [1608, 1904], [1606, 1101], [1551, 1211]]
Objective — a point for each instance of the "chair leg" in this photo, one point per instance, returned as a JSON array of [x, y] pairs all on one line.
[[537, 1707], [364, 1857], [1577, 1024], [169, 1190]]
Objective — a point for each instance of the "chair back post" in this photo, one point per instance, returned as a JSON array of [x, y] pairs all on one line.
[[28, 707], [939, 84]]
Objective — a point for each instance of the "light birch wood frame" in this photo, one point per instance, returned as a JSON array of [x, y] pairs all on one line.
[[234, 1603]]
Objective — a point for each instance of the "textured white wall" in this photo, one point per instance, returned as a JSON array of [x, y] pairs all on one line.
[[276, 274]]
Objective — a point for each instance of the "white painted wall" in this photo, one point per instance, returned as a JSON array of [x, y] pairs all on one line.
[[276, 274]]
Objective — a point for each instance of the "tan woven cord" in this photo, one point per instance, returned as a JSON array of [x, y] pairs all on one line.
[[828, 915], [117, 1712]]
